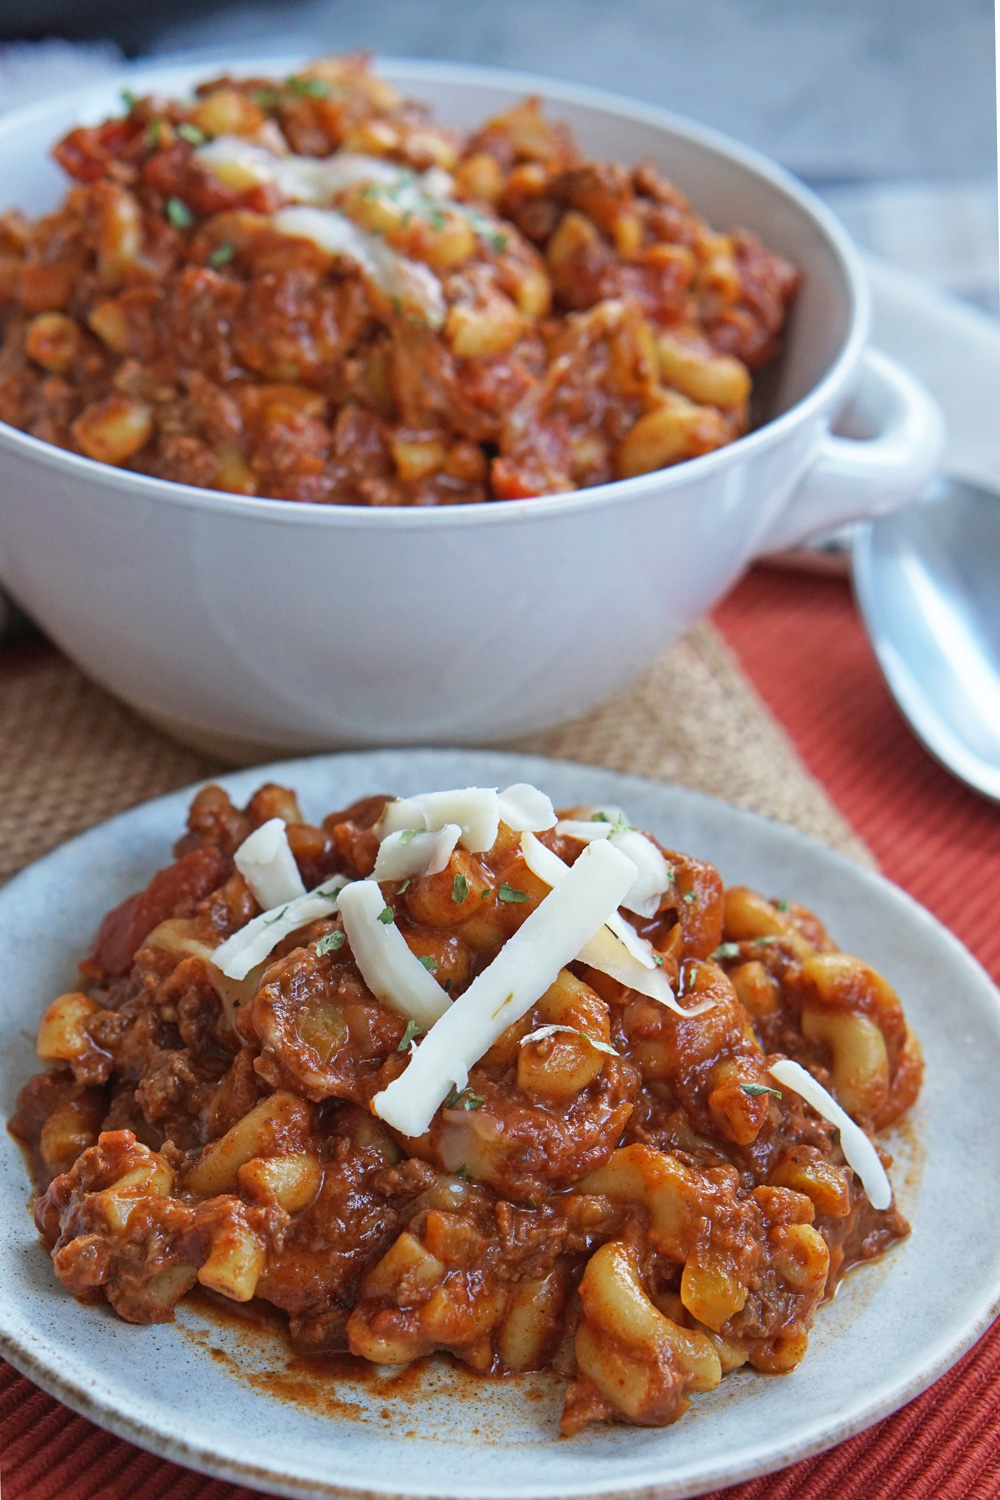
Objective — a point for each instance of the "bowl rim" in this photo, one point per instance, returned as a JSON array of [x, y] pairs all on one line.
[[755, 163]]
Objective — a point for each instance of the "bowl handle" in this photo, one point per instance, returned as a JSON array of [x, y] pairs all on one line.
[[894, 440]]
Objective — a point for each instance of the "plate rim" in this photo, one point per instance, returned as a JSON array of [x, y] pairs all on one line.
[[894, 1392]]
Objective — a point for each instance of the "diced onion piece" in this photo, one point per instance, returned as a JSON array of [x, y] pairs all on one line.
[[524, 808], [252, 944], [631, 960], [654, 872], [411, 853], [267, 864], [586, 832], [543, 1032], [858, 1150], [392, 972], [522, 971], [413, 285], [476, 810]]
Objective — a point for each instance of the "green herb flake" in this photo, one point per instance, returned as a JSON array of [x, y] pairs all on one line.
[[222, 255], [464, 1099], [762, 942], [727, 950], [508, 893], [330, 943], [447, 986], [485, 893], [154, 131], [437, 219], [690, 898], [178, 213], [387, 915], [402, 889], [459, 889], [308, 88], [129, 99], [658, 960], [276, 918], [430, 964], [191, 134], [756, 1089], [781, 904], [266, 98], [330, 895], [462, 1172], [407, 835], [409, 1036]]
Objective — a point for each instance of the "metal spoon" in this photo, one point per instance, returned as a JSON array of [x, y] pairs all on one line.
[[927, 580]]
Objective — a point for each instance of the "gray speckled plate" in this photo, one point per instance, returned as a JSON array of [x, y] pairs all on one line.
[[221, 1397]]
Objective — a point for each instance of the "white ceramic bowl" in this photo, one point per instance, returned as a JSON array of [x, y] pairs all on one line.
[[242, 624]]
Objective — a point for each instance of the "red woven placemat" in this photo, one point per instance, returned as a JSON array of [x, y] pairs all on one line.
[[802, 646]]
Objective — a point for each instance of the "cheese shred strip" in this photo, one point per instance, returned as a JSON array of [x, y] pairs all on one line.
[[858, 1150], [522, 971]]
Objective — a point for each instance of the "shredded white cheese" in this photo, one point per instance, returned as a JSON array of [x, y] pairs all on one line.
[[654, 872], [267, 864], [522, 971], [525, 809], [617, 950], [410, 852], [586, 831], [476, 810], [543, 1032], [858, 1150], [391, 971], [251, 945], [409, 283], [317, 180]]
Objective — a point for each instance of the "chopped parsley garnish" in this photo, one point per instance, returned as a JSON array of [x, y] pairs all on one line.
[[409, 1036], [387, 915], [178, 213], [331, 895], [727, 950], [397, 305], [781, 904], [437, 219], [276, 918], [690, 898], [658, 960], [464, 1099], [407, 834], [191, 133], [485, 893], [330, 943], [308, 88], [508, 893], [756, 1089], [129, 99], [459, 889], [153, 132], [266, 98], [400, 890], [762, 941], [447, 986], [463, 1172], [430, 964], [222, 254]]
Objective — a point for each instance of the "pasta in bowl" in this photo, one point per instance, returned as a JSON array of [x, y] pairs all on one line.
[[449, 1073], [310, 289]]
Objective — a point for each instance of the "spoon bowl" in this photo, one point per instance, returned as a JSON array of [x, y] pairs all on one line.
[[927, 581]]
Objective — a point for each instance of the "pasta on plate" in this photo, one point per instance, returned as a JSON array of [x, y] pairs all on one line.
[[452, 1073], [306, 289]]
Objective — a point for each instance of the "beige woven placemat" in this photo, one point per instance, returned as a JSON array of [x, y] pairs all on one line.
[[71, 755]]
